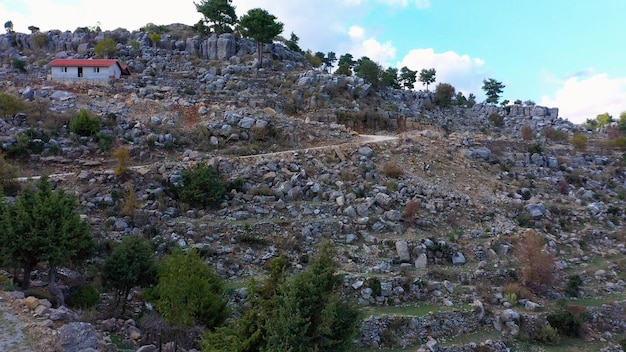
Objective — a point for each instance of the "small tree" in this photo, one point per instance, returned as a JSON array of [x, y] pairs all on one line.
[[309, 315], [40, 40], [579, 141], [201, 186], [460, 99], [105, 48], [492, 89], [130, 200], [131, 264], [537, 264], [155, 38], [85, 125], [343, 69], [298, 313], [369, 70], [314, 60], [321, 56], [621, 123], [292, 43], [604, 119], [8, 26], [346, 59], [10, 105], [189, 292], [527, 132], [43, 226], [427, 76], [471, 100], [219, 15], [19, 65], [261, 26], [122, 156], [329, 60], [389, 78], [8, 175], [33, 29], [408, 77], [444, 94]]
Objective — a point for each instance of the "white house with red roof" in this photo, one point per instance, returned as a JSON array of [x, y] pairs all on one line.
[[86, 69]]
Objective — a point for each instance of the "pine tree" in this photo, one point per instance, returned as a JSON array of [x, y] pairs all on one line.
[[131, 264], [298, 313], [44, 227]]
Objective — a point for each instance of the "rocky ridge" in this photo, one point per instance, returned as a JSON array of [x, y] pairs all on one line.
[[472, 186]]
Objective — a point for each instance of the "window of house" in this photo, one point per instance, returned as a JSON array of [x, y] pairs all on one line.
[[63, 69], [96, 69]]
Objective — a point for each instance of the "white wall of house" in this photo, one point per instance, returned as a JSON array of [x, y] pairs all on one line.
[[88, 73]]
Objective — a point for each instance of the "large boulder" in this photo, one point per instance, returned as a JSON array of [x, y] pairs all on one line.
[[79, 336], [226, 46]]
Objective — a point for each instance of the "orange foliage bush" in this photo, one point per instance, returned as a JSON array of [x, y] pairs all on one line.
[[538, 266]]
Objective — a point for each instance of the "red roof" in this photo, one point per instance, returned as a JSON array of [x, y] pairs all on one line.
[[82, 63]]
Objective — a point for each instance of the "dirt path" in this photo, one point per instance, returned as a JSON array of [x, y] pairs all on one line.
[[362, 139], [12, 329]]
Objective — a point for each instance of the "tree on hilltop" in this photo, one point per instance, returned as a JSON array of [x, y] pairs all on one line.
[[408, 77], [492, 89], [427, 76], [292, 43], [604, 119], [389, 78], [345, 64], [329, 60], [8, 26], [219, 15], [261, 26], [369, 70]]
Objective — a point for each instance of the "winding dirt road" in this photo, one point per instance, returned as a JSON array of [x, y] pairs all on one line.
[[362, 139]]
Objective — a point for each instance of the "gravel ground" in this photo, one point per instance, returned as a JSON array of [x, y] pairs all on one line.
[[12, 330]]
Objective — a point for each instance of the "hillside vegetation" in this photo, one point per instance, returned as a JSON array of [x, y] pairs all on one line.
[[234, 207]]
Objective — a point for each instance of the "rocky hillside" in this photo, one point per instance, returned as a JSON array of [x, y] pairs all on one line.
[[431, 216]]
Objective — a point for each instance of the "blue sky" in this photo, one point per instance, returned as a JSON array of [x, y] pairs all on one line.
[[558, 53]]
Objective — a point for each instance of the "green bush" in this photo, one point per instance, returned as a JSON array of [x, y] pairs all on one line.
[[19, 65], [10, 105], [105, 141], [573, 285], [85, 125], [374, 284], [554, 134], [85, 297], [496, 119], [535, 148], [568, 320], [201, 186], [549, 335], [579, 141]]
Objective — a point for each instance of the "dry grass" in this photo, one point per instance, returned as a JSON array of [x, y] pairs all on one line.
[[393, 170]]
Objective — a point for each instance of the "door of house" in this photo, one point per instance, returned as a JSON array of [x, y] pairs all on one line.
[[80, 72]]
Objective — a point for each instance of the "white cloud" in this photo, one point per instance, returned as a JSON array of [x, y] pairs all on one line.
[[579, 100], [420, 4], [71, 14], [370, 47], [463, 72], [356, 32]]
